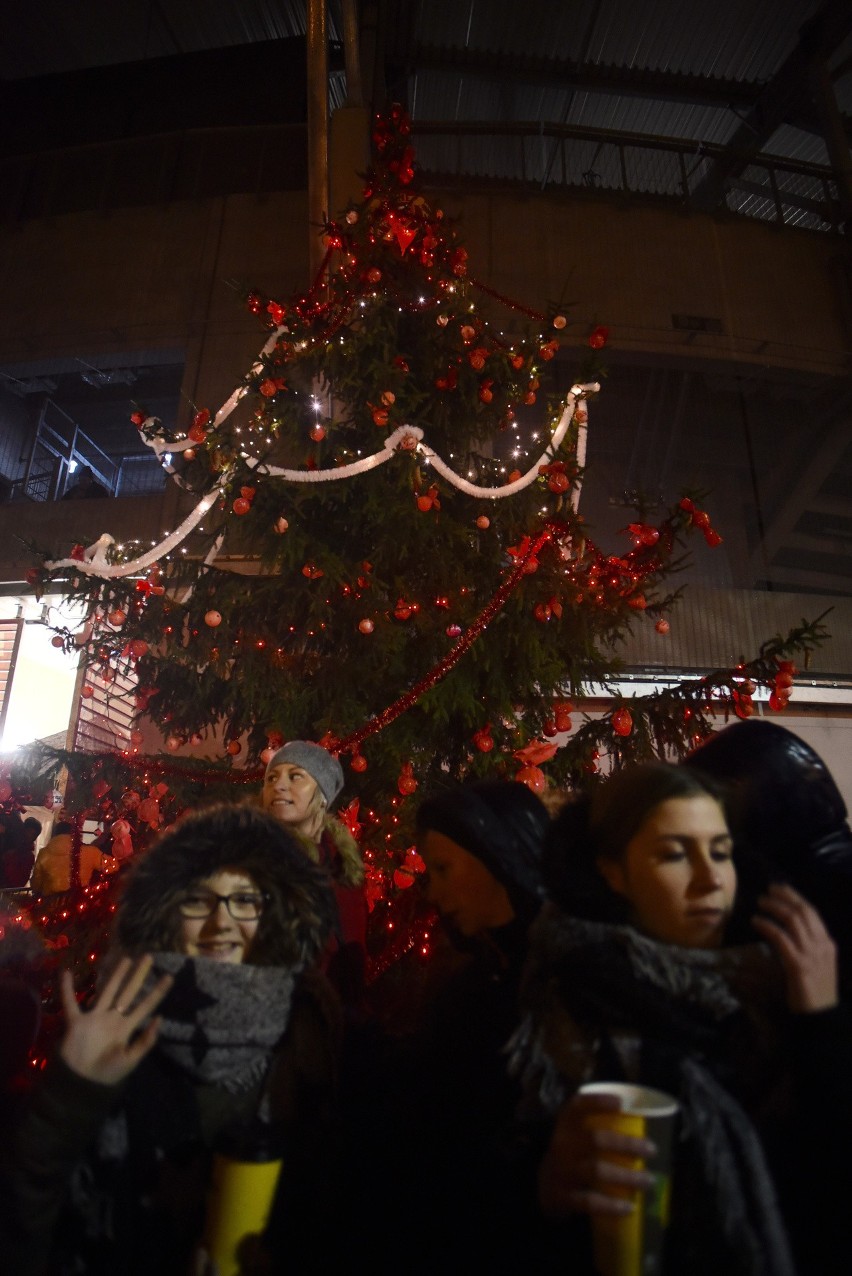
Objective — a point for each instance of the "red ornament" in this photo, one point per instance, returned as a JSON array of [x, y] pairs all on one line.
[[267, 388], [366, 625], [542, 612], [402, 611], [483, 522], [559, 483], [196, 434], [233, 747], [138, 418], [598, 337], [359, 762], [482, 739], [622, 722], [241, 505], [87, 692], [213, 618], [559, 322], [662, 626], [533, 777], [281, 525], [374, 275], [201, 419], [57, 641], [117, 617], [406, 782]]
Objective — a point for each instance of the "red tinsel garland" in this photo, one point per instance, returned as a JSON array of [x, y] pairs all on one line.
[[440, 671]]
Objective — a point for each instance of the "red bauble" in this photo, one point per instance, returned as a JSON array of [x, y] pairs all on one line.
[[213, 618], [138, 418], [483, 522], [542, 612], [196, 434], [241, 505], [533, 777], [200, 420], [406, 782], [87, 692], [233, 747], [117, 617], [281, 525], [57, 641], [598, 337], [559, 482], [318, 433], [662, 626], [138, 648], [366, 625], [622, 722], [549, 728], [482, 739], [359, 762]]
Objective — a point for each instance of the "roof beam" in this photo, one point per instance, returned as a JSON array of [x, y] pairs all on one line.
[[788, 94], [622, 81]]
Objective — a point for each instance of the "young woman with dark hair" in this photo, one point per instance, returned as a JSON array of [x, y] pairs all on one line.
[[658, 967]]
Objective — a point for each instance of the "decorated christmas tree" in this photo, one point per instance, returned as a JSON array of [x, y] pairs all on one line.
[[385, 552]]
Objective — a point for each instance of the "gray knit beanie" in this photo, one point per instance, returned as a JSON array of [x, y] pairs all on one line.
[[314, 759]]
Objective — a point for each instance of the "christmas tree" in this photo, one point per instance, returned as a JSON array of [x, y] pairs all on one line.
[[386, 553]]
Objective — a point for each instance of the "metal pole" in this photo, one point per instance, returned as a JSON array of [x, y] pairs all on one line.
[[317, 51]]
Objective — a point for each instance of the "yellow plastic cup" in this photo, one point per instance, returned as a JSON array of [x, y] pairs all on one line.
[[632, 1244], [239, 1205]]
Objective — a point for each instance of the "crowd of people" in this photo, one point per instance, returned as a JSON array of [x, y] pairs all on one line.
[[684, 927]]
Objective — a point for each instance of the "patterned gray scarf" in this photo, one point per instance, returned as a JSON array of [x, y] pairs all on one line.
[[221, 1023]]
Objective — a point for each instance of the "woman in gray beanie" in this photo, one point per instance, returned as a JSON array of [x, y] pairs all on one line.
[[301, 783]]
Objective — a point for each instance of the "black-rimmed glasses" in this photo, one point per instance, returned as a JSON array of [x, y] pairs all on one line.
[[244, 906]]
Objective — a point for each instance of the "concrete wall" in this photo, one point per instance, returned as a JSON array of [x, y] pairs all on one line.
[[165, 276]]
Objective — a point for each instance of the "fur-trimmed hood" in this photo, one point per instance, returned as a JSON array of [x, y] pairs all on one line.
[[300, 912]]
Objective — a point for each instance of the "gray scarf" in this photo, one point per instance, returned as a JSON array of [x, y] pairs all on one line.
[[221, 1023]]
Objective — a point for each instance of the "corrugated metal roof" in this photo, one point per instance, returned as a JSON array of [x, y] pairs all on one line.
[[663, 69]]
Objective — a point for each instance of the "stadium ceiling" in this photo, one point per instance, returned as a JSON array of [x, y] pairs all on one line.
[[744, 105]]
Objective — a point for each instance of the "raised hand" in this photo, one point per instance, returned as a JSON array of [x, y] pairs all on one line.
[[578, 1168], [104, 1044], [795, 930]]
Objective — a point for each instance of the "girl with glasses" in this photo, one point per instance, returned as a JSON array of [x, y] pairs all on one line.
[[211, 1022]]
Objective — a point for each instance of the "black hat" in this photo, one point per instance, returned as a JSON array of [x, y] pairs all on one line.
[[503, 824]]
